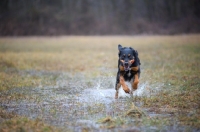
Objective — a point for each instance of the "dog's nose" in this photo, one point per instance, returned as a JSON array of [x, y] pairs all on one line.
[[126, 64]]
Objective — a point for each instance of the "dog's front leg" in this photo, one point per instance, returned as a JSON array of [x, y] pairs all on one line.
[[117, 86], [135, 82], [124, 86]]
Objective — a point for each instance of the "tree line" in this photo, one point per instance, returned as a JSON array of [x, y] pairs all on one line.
[[98, 17]]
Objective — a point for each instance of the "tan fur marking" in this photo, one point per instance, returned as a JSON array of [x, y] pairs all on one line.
[[131, 61], [124, 86], [135, 68], [121, 68], [136, 81]]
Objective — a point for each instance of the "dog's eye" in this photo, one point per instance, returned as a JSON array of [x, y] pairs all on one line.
[[123, 56], [130, 57]]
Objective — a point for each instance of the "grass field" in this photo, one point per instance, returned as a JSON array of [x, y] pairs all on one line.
[[48, 84]]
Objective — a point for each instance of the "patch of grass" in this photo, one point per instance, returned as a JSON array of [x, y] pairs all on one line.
[[15, 79], [5, 115], [23, 124], [135, 116], [12, 122], [9, 81]]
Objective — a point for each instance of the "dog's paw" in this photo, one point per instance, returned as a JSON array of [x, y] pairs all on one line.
[[126, 90]]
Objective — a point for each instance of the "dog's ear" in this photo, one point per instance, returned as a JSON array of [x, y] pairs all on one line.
[[136, 57], [135, 53], [119, 47], [131, 48]]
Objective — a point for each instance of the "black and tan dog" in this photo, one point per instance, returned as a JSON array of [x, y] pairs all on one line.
[[128, 69]]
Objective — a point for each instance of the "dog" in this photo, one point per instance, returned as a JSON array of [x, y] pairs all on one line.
[[128, 70]]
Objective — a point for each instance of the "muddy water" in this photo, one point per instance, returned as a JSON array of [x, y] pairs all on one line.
[[74, 102]]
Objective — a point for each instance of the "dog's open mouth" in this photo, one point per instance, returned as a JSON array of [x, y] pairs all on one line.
[[126, 67]]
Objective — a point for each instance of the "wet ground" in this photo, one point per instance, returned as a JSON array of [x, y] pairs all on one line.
[[76, 102]]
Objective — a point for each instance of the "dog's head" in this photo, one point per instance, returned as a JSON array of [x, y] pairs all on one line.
[[127, 57]]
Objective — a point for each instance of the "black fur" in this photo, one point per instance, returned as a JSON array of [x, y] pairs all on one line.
[[129, 74]]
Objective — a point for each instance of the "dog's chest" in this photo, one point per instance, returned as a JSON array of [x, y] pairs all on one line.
[[128, 75]]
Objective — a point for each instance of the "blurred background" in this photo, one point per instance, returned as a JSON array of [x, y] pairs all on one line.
[[98, 17]]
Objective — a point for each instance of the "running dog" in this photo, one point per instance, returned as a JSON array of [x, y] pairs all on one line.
[[128, 70]]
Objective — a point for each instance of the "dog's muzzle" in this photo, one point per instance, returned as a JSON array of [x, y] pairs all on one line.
[[126, 66]]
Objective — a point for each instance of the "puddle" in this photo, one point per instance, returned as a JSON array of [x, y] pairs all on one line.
[[74, 101], [105, 96]]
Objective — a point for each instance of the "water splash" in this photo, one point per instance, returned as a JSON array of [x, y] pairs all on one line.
[[142, 90]]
